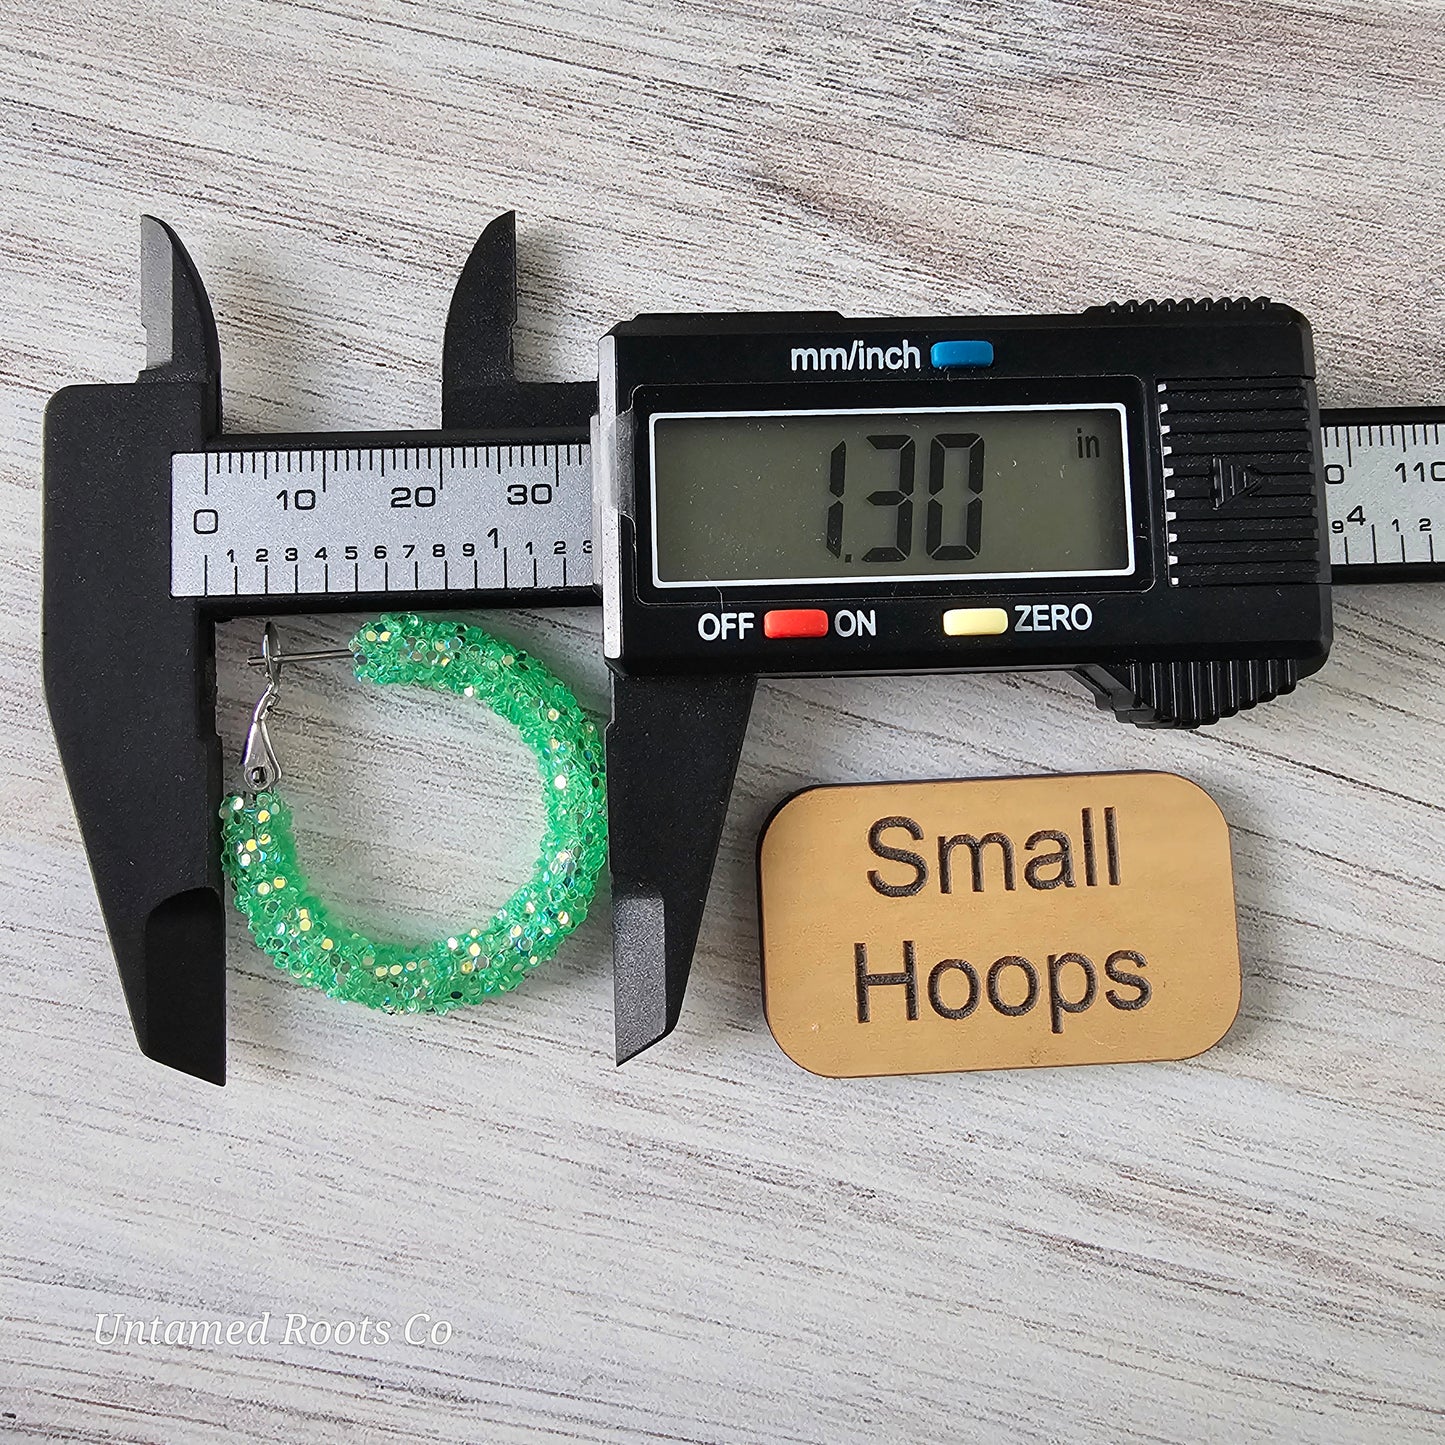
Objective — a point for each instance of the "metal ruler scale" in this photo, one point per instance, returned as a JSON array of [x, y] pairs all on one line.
[[323, 521], [464, 518], [1385, 493]]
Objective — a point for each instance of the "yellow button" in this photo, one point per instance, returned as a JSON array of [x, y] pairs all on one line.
[[975, 621]]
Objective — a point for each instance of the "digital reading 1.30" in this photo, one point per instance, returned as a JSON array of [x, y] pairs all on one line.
[[914, 494]]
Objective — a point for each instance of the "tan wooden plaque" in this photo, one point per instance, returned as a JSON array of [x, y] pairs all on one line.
[[997, 923]]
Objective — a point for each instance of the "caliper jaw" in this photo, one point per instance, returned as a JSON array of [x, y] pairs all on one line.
[[479, 378], [129, 670], [672, 751]]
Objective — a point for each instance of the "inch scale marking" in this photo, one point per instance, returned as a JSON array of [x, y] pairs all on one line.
[[1385, 494], [405, 519]]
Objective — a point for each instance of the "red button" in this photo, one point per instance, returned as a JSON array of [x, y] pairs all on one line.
[[796, 622]]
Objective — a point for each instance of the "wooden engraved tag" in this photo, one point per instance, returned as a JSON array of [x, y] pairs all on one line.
[[997, 923]]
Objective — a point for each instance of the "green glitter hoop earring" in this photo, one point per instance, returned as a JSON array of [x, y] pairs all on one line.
[[301, 933]]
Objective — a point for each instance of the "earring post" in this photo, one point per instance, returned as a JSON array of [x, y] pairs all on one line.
[[318, 655]]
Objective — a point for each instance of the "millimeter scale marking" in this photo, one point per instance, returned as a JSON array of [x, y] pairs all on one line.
[[440, 518], [1385, 494]]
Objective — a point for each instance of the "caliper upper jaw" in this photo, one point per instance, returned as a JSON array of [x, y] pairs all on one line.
[[480, 388], [129, 670], [180, 328]]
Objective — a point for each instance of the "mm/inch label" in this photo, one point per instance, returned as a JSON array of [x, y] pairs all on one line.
[[1385, 493], [381, 519]]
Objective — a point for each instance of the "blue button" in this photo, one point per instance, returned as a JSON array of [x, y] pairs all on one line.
[[962, 353]]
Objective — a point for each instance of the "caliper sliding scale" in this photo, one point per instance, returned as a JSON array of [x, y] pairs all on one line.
[[1220, 597]]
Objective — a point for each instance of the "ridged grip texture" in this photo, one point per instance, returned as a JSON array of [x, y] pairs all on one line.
[[1183, 303], [1189, 694], [1241, 495]]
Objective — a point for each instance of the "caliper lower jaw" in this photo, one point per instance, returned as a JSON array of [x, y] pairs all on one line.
[[672, 752]]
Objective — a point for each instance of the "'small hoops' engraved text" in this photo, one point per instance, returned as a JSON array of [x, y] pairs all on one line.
[[860, 356]]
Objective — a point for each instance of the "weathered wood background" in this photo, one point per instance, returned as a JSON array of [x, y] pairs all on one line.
[[712, 1245]]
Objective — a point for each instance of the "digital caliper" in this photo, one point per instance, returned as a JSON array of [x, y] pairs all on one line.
[[1145, 493]]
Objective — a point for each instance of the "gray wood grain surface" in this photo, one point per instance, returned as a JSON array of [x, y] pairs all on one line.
[[712, 1245]]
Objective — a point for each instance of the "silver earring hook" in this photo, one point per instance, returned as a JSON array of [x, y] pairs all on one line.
[[259, 763]]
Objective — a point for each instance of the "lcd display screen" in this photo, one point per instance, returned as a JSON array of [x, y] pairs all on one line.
[[918, 494]]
